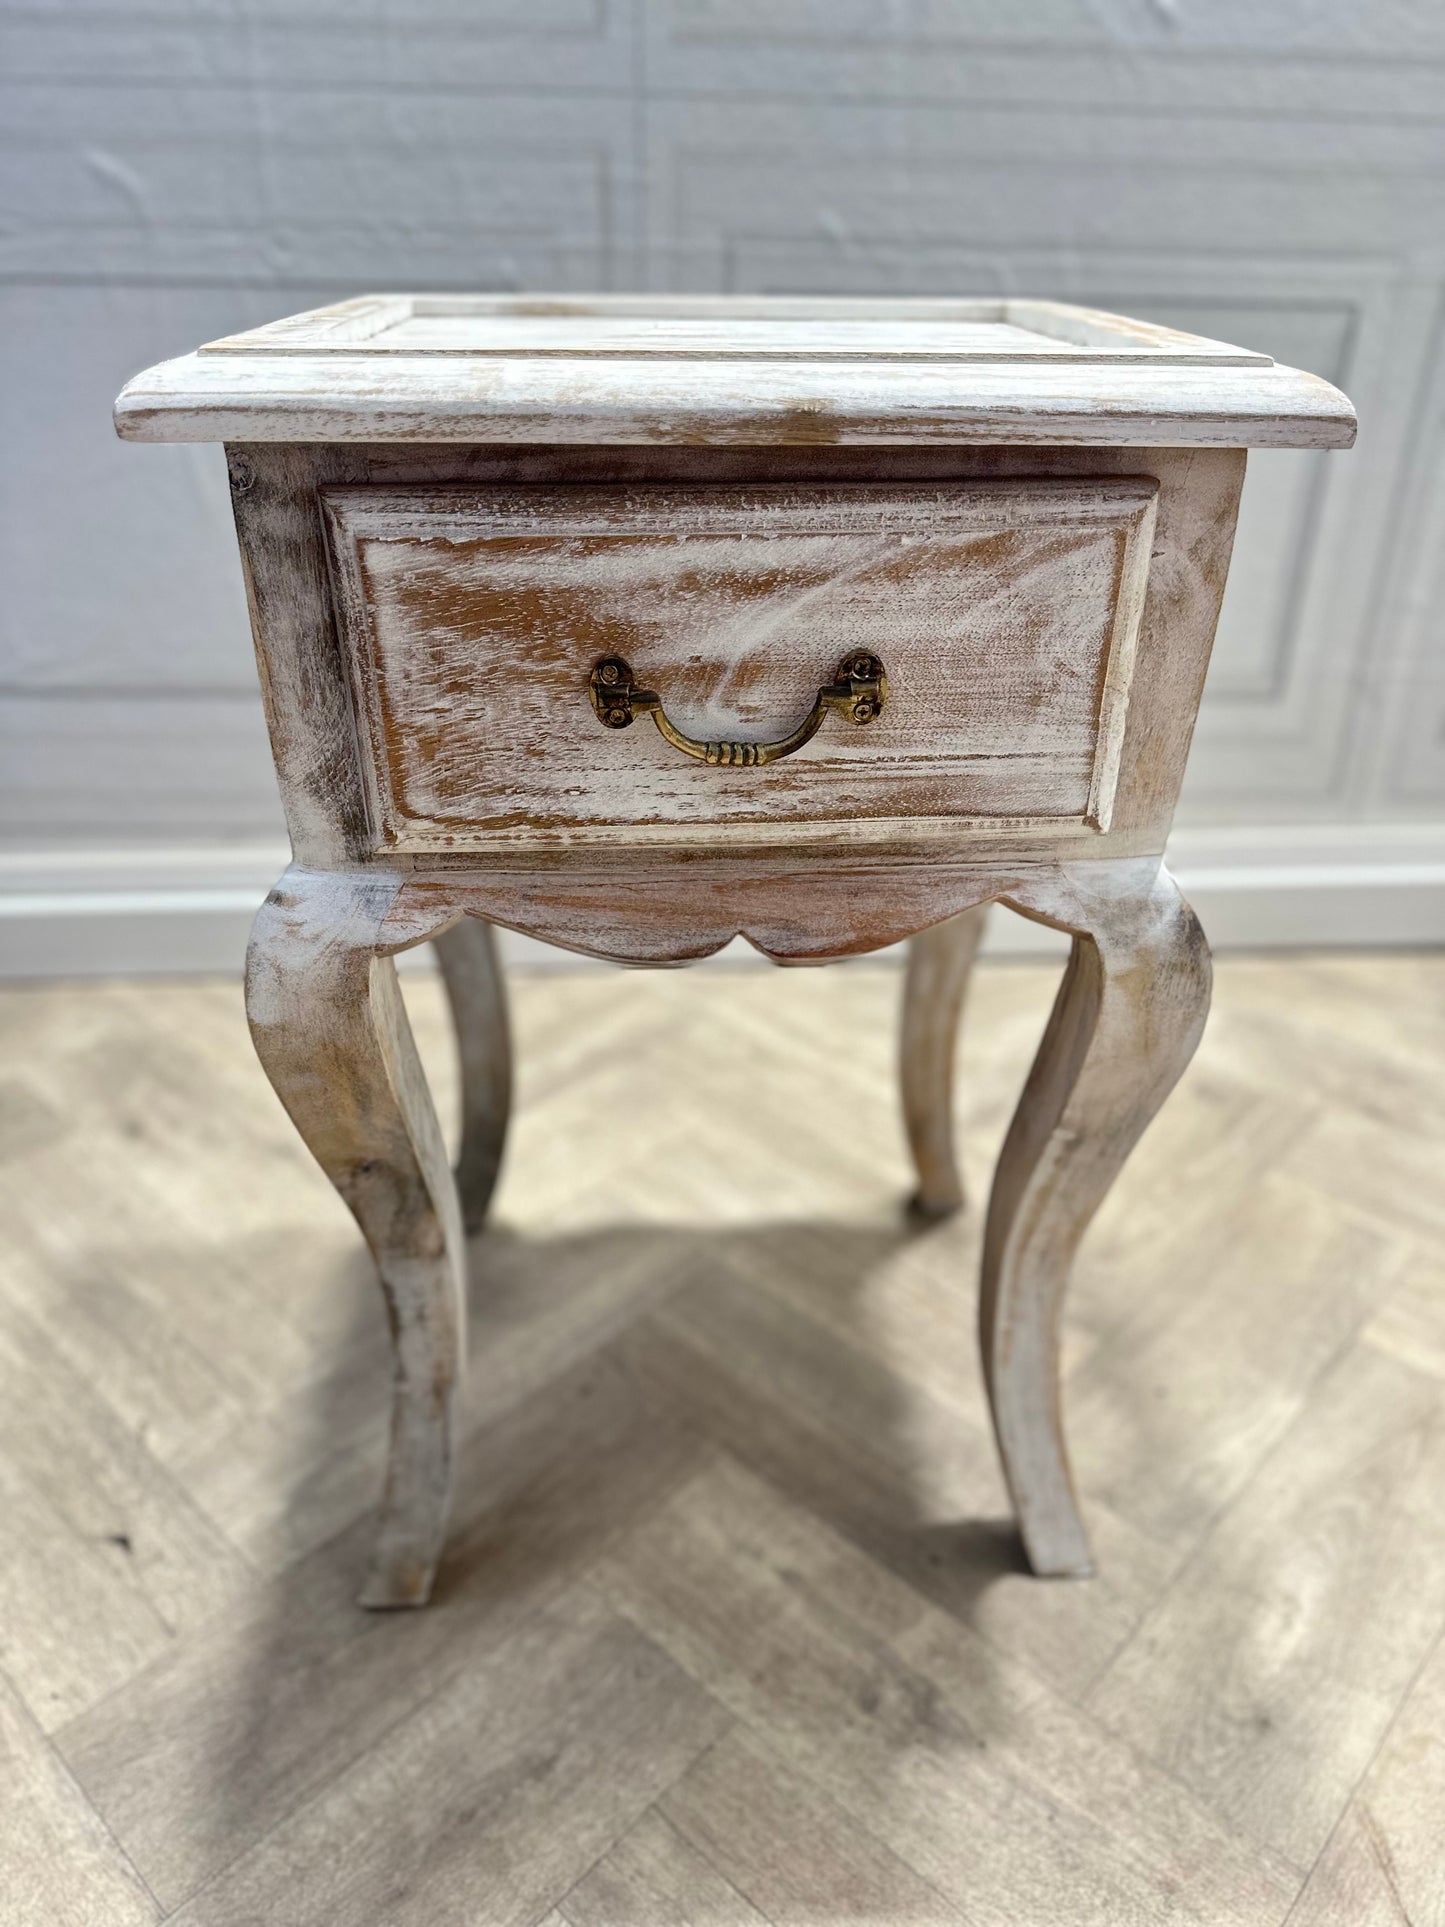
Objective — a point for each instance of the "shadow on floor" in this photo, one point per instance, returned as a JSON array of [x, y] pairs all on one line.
[[608, 1369]]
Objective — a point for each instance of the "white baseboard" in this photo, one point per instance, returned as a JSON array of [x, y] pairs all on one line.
[[84, 913]]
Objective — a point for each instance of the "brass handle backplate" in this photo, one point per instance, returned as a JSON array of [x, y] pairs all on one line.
[[858, 694]]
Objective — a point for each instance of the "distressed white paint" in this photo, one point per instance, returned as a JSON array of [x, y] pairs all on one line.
[[1005, 617], [373, 371], [769, 328], [180, 910]]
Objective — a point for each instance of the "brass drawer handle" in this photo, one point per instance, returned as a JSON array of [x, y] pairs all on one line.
[[858, 694]]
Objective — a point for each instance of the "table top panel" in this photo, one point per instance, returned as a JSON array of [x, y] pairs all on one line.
[[669, 336], [648, 369]]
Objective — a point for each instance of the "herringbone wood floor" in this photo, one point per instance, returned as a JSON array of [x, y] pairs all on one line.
[[732, 1628]]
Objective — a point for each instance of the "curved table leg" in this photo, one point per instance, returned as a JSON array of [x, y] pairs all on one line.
[[940, 962], [467, 953], [330, 1029], [1125, 1023]]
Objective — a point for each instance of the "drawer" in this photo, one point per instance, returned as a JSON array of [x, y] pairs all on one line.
[[1004, 615]]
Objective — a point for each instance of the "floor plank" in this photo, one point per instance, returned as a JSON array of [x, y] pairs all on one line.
[[913, 1481], [1385, 1863], [105, 1558], [798, 1856], [204, 1754], [492, 1795], [1003, 1796], [58, 1862], [1271, 1668], [653, 1878]]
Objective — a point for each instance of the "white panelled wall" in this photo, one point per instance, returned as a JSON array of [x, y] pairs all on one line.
[[1271, 173]]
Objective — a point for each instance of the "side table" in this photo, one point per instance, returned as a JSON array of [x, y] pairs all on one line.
[[636, 624]]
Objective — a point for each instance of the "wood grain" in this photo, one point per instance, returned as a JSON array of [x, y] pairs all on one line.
[[1128, 1016], [1333, 1599], [654, 1878], [769, 327], [795, 1853], [440, 589], [1384, 1864], [331, 1032], [1005, 615], [541, 1779], [334, 819], [1129, 1013], [60, 1864]]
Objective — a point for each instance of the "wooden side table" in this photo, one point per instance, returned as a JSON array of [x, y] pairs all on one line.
[[638, 623]]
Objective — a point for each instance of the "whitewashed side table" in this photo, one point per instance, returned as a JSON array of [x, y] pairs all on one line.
[[636, 623]]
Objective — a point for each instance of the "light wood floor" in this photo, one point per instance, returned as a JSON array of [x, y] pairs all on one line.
[[732, 1629]]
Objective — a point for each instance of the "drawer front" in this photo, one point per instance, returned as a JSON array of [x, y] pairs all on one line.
[[1004, 616]]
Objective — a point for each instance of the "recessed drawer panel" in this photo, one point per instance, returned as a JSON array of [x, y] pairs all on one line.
[[1003, 616]]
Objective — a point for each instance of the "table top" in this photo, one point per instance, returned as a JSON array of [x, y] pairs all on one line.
[[734, 370]]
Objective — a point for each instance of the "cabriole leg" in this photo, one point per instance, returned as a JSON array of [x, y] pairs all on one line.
[[327, 1018], [940, 962], [1125, 1023], [476, 991]]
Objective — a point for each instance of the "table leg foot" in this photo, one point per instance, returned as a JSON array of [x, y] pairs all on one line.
[[1127, 1018], [332, 1034]]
